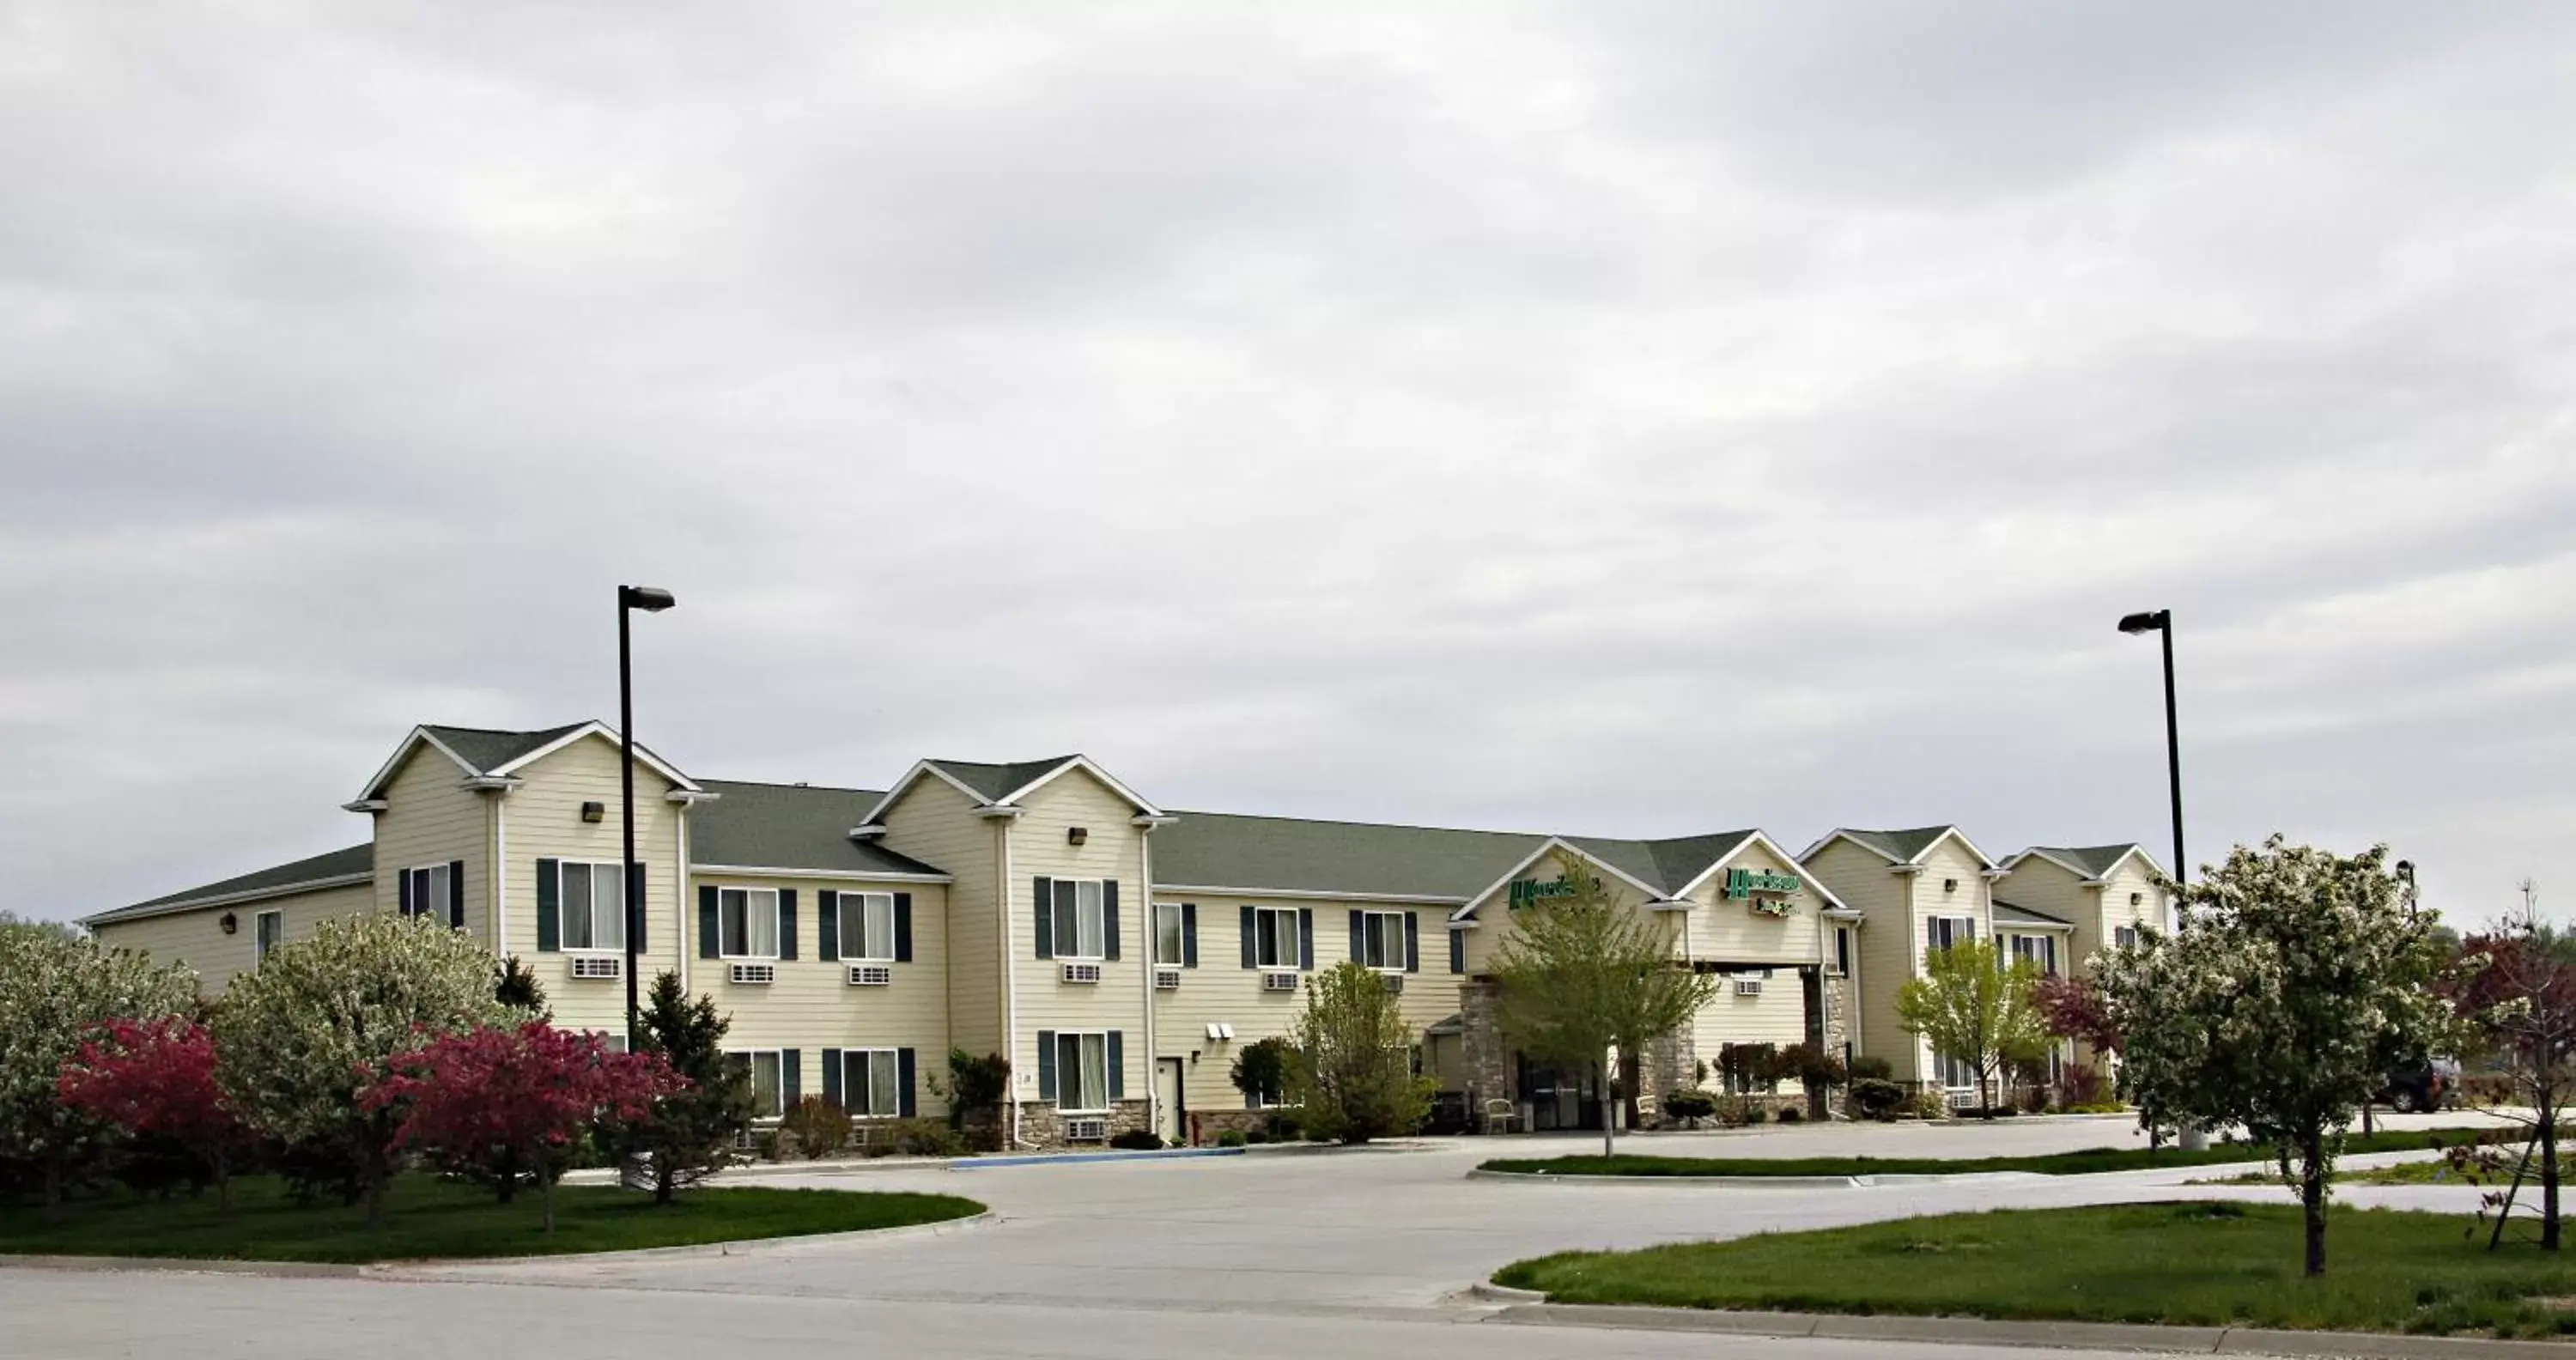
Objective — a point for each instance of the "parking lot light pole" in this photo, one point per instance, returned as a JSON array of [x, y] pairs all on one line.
[[651, 601], [2161, 621]]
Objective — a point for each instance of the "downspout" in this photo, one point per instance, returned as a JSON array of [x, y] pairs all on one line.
[[1152, 940], [681, 890], [501, 875], [1010, 980]]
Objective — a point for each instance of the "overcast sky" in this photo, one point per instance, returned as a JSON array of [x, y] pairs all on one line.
[[1620, 420]]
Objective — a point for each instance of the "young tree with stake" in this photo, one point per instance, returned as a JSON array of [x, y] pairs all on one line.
[[2517, 992], [1975, 1004]]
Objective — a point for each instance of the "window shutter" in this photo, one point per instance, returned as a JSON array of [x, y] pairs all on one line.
[[787, 924], [832, 1076], [456, 894], [827, 926], [1117, 1065], [1931, 935], [1251, 923], [1109, 919], [1046, 1064], [402, 891], [789, 1079], [643, 913], [1046, 919], [1457, 951], [710, 938], [903, 931], [1359, 936], [903, 1082], [1412, 943], [1305, 937], [1189, 934], [549, 906]]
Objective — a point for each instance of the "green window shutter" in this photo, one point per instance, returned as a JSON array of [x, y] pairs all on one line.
[[1046, 918], [790, 1081], [1251, 923], [903, 928], [903, 1073], [827, 926], [710, 938], [456, 894], [1306, 938], [1109, 920], [549, 906], [832, 1076], [1117, 1064], [1457, 951], [787, 924], [1189, 934], [1412, 943], [402, 891], [1046, 1064], [1359, 936], [643, 912]]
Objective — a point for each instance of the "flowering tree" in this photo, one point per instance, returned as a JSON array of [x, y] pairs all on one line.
[[55, 988], [2071, 1006], [2518, 993], [1975, 1005], [321, 1019], [509, 1105], [158, 1077], [2298, 980]]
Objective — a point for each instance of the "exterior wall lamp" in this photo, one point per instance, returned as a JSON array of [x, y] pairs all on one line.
[[594, 812], [230, 923], [1076, 835]]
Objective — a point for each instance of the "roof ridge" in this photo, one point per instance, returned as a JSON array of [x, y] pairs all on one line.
[[1384, 826], [792, 784]]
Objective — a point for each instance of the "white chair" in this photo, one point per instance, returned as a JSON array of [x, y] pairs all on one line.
[[1502, 1116]]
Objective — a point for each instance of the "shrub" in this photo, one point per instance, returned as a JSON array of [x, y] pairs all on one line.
[[1749, 1067], [1689, 1104], [815, 1127], [1791, 1114], [55, 987], [1876, 1097], [928, 1138], [2079, 1086], [1232, 1138], [1866, 1068], [1136, 1140], [1261, 1070], [1931, 1105], [1257, 1136], [976, 1088], [697, 1131], [156, 1081]]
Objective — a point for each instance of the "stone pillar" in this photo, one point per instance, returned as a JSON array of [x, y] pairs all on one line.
[[1671, 1064], [1486, 1062]]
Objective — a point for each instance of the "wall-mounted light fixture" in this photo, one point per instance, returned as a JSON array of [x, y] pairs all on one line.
[[2136, 898], [230, 923], [1076, 835], [1949, 885], [594, 812]]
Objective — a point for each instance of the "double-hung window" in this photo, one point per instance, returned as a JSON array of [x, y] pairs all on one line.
[[871, 1082], [1382, 939], [768, 1087], [1082, 1071], [427, 890], [2041, 950], [594, 905], [1944, 931], [747, 923], [1168, 949], [1080, 925], [1843, 950], [267, 931], [867, 930], [2125, 936], [1275, 938]]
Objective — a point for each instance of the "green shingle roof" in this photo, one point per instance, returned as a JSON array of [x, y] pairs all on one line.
[[1901, 846], [488, 749], [1293, 854], [2008, 914], [357, 859], [2095, 860], [790, 826], [996, 782]]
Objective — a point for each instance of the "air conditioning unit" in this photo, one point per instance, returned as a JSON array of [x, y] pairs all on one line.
[[1082, 972], [871, 975], [1748, 986], [1394, 983], [1086, 1130], [1279, 982], [753, 974], [1167, 979], [598, 967]]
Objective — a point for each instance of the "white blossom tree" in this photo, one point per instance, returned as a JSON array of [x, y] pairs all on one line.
[[55, 987], [296, 1040], [2298, 979]]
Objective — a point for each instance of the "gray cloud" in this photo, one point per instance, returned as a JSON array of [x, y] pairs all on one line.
[[1636, 421]]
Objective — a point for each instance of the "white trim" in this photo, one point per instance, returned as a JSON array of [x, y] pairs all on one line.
[[1149, 822], [691, 797], [1758, 835], [367, 793], [838, 875], [892, 1055], [563, 906], [919, 768], [1312, 894], [1296, 961], [1083, 763], [777, 909], [870, 832], [121, 915], [683, 897], [1108, 1101], [1055, 939], [1468, 911], [781, 1054], [365, 805], [489, 783], [2004, 927], [1845, 834], [841, 931], [998, 813], [2086, 876], [605, 733], [259, 952]]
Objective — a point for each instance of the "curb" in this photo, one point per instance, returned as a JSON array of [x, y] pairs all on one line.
[[1994, 1332], [1062, 1158], [186, 1265], [1770, 1182]]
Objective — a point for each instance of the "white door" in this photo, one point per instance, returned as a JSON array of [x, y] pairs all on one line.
[[1169, 1117]]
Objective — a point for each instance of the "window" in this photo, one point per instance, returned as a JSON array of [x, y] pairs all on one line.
[[1945, 931], [867, 927], [2039, 949], [1956, 1072], [1080, 926], [871, 1082], [425, 891], [1082, 1071], [1168, 949], [2125, 936], [768, 1088], [1275, 938], [1382, 939], [267, 932], [1842, 950], [593, 897], [747, 923]]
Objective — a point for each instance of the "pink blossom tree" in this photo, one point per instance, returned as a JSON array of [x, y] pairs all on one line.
[[157, 1077], [509, 1105]]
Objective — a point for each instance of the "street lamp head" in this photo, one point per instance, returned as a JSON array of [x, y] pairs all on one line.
[[650, 599], [2151, 621]]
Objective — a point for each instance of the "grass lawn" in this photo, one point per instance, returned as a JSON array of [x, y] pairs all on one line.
[[2206, 1264], [426, 1217], [2435, 1171], [2050, 1164]]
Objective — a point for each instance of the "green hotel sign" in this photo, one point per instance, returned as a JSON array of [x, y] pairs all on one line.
[[1743, 883], [1526, 891]]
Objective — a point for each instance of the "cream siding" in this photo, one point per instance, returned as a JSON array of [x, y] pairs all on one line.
[[1777, 1016], [1722, 929], [1888, 945], [197, 939], [933, 823], [1947, 862], [1112, 849], [543, 821], [431, 818], [811, 1006]]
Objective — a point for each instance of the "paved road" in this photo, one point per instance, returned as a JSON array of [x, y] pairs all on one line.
[[1277, 1254]]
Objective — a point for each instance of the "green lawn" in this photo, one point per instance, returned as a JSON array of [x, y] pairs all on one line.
[[2207, 1264], [2051, 1164], [426, 1217]]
